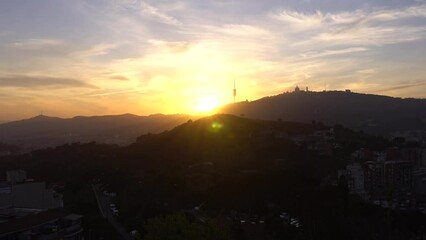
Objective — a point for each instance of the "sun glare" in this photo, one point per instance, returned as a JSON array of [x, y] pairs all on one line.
[[206, 105]]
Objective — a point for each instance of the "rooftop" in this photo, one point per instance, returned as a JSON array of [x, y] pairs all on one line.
[[30, 221]]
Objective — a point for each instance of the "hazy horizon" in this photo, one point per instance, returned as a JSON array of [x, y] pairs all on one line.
[[205, 114], [69, 58]]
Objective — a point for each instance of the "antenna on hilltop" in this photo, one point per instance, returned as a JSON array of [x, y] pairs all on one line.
[[235, 90]]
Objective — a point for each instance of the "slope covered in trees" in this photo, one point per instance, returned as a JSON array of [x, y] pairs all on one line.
[[371, 113]]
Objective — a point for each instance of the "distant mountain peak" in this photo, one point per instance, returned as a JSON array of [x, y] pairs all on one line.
[[42, 117], [43, 131]]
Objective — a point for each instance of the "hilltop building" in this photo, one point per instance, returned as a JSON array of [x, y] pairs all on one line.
[[297, 89]]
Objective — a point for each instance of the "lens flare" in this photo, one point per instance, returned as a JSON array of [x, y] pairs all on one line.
[[216, 127]]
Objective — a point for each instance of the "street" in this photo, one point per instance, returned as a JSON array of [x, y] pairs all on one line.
[[105, 210]]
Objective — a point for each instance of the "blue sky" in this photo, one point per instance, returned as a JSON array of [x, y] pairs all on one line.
[[94, 57]]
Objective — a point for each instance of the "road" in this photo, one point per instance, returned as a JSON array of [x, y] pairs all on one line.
[[104, 209]]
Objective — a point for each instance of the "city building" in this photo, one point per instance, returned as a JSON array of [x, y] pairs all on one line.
[[388, 177], [354, 175], [18, 192], [16, 176], [46, 225], [30, 210]]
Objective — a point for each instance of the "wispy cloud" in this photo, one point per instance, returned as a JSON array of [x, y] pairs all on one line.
[[333, 52], [30, 82], [366, 35], [37, 44], [121, 78], [400, 87], [359, 27], [173, 46], [156, 14], [245, 30], [107, 93], [304, 19], [299, 19], [95, 50]]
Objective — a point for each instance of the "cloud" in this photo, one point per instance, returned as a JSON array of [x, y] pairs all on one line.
[[121, 78], [108, 93], [400, 87], [300, 19], [333, 52], [367, 71], [358, 16], [172, 46], [95, 50], [37, 44], [418, 11], [244, 30], [28, 82], [157, 14], [359, 27], [366, 35]]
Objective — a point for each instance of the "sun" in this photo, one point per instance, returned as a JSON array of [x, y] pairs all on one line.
[[206, 104]]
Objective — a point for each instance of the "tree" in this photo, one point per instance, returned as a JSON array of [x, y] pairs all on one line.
[[178, 227]]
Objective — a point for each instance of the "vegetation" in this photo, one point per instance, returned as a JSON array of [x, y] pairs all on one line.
[[235, 168], [179, 227], [371, 113]]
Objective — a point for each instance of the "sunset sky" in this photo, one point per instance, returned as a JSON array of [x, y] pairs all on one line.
[[97, 57]]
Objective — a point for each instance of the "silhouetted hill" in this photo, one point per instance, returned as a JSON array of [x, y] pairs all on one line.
[[230, 166], [372, 113], [214, 138], [43, 131]]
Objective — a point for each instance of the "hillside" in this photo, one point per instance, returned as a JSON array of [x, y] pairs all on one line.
[[371, 113], [43, 131], [230, 167]]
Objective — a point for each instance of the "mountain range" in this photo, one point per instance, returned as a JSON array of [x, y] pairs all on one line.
[[44, 131], [374, 114]]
